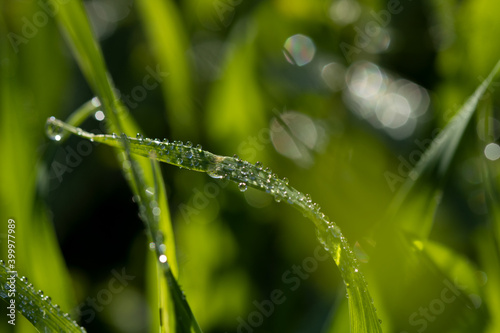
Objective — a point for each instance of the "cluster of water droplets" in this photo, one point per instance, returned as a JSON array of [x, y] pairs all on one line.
[[37, 307], [245, 175], [184, 155], [149, 211], [255, 175]]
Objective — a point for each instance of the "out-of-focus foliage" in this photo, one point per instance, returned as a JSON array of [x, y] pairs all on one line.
[[341, 96]]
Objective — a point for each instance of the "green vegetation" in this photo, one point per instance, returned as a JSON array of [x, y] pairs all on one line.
[[377, 127]]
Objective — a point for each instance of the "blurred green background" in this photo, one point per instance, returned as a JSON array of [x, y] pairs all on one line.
[[341, 97]]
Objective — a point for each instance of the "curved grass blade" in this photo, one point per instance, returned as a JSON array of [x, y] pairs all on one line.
[[362, 312], [34, 306]]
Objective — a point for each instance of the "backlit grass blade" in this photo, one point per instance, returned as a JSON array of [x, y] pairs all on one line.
[[434, 165], [175, 314], [37, 252], [361, 309], [81, 39], [74, 23], [34, 306], [140, 176], [488, 240], [164, 28]]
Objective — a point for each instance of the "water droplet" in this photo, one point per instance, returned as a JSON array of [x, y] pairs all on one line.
[[156, 211], [159, 237], [189, 144], [242, 186], [95, 102], [114, 136], [198, 146], [139, 136], [189, 154], [54, 131], [163, 258], [334, 230]]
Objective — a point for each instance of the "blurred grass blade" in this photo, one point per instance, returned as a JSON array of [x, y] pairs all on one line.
[[489, 257], [37, 250], [235, 107], [490, 182], [458, 270], [488, 240], [36, 307], [164, 27], [361, 310], [434, 164]]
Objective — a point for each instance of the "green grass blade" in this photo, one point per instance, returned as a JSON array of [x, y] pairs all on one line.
[[35, 306], [435, 164], [362, 312], [489, 258], [175, 313], [74, 23], [37, 249], [164, 28], [140, 176], [488, 240]]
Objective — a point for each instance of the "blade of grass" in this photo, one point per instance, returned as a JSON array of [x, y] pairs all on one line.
[[488, 241], [435, 164], [172, 300], [140, 176], [362, 312], [74, 23], [164, 28], [37, 250], [35, 306]]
